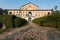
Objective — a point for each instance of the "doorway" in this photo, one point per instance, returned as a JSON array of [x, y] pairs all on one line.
[[29, 16]]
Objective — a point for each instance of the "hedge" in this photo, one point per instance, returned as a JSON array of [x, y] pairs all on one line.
[[19, 22], [12, 21], [52, 20]]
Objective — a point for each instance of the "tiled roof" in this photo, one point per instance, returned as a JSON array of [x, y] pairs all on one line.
[[29, 10], [13, 9]]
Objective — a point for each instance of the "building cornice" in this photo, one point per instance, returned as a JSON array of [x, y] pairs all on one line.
[[29, 10]]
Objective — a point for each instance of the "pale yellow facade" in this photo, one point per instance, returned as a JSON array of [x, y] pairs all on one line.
[[29, 11]]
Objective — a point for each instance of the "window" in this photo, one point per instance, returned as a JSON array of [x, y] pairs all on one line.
[[23, 11], [10, 12], [19, 11], [48, 13], [26, 15], [19, 15], [14, 11]]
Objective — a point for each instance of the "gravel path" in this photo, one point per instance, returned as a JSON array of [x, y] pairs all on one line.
[[31, 32]]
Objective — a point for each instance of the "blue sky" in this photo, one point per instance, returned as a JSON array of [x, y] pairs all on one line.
[[16, 4]]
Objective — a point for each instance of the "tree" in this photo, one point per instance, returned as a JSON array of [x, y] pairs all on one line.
[[56, 8], [57, 18], [5, 11], [1, 11]]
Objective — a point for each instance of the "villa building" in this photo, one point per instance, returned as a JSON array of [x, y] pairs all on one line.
[[29, 11]]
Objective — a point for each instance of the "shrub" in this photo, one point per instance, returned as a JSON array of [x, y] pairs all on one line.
[[7, 20], [0, 25], [19, 22], [52, 20], [12, 21], [37, 20]]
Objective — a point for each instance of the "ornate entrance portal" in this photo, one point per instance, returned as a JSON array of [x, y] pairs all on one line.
[[29, 16]]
